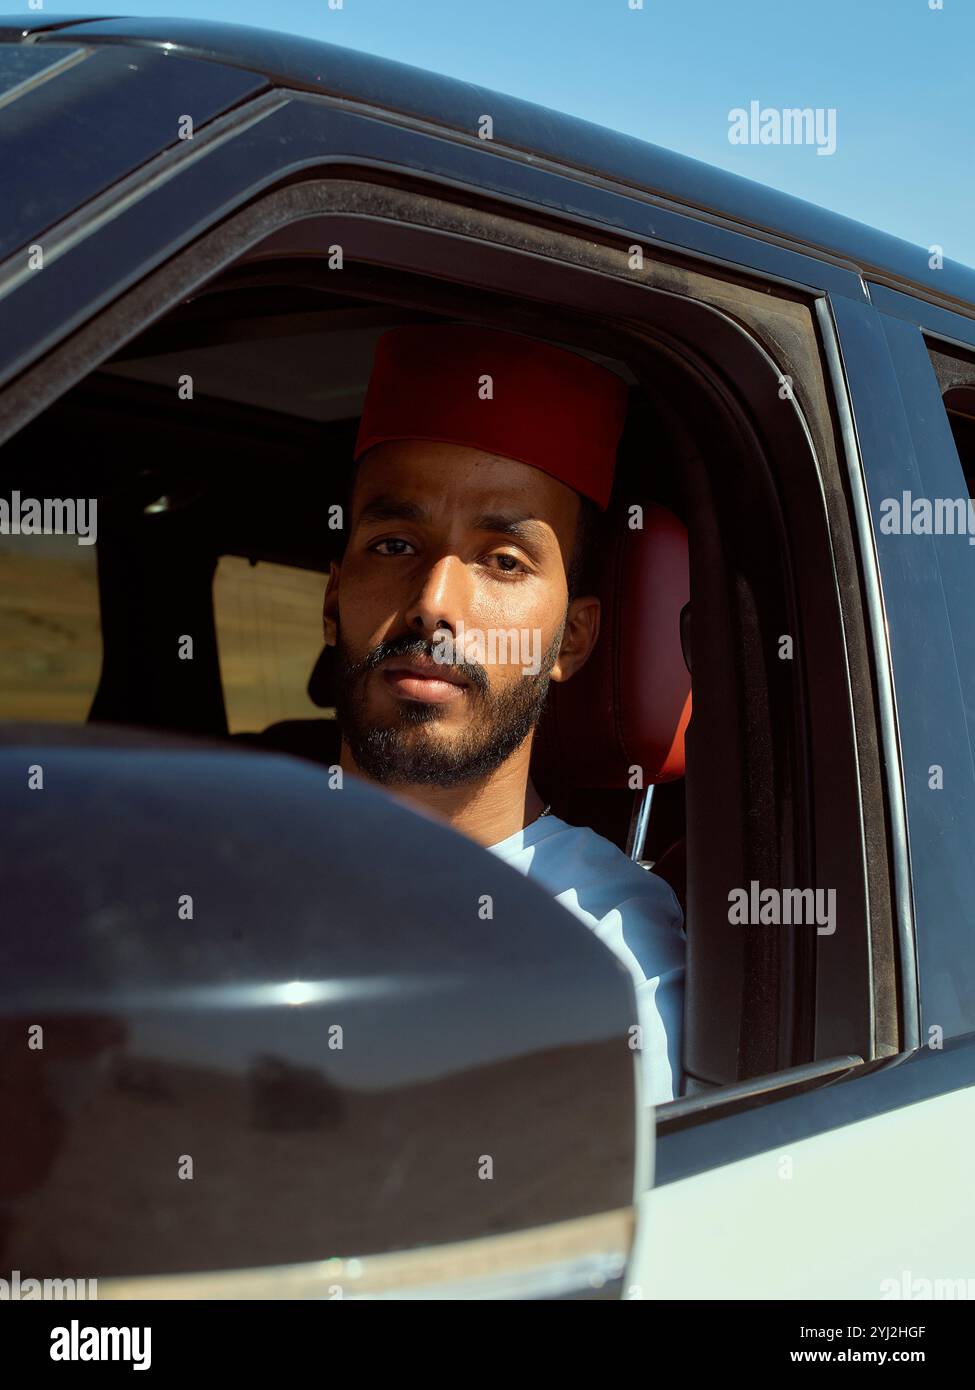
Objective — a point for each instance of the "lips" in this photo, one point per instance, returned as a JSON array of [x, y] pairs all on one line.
[[426, 681]]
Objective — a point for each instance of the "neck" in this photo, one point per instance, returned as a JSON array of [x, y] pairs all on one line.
[[486, 811]]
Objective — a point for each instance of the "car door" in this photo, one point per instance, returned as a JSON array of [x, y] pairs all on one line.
[[808, 1155]]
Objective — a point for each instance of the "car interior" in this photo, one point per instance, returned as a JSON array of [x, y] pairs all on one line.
[[222, 434], [253, 475]]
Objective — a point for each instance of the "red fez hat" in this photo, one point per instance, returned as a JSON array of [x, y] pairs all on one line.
[[546, 407]]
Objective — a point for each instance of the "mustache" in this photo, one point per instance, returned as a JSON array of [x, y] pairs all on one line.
[[407, 646]]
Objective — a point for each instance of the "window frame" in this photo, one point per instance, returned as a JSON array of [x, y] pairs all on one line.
[[190, 269], [906, 442]]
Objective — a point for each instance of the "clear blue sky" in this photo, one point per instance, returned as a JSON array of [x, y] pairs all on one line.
[[899, 75]]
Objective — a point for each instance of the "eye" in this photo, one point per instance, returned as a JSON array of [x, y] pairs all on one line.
[[507, 564], [392, 541]]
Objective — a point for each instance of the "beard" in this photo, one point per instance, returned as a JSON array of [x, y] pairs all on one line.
[[396, 753]]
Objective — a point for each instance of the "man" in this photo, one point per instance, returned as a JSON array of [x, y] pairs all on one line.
[[481, 458]]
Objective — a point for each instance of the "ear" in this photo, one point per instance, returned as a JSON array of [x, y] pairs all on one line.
[[579, 638], [330, 606]]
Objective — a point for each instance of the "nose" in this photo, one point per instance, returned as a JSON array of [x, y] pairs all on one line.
[[442, 597]]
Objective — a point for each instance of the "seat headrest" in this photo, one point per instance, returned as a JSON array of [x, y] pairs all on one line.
[[631, 702]]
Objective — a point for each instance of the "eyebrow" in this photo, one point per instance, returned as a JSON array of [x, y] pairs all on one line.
[[518, 526], [388, 508]]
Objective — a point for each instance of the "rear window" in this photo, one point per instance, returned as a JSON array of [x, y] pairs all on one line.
[[50, 629], [960, 405], [269, 635]]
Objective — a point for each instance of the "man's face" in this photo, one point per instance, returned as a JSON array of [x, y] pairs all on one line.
[[449, 610]]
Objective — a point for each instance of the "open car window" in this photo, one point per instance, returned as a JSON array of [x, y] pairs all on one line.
[[244, 397]]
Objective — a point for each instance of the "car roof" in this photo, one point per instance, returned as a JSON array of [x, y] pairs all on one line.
[[288, 60]]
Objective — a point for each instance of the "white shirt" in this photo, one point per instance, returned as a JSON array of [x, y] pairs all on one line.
[[634, 912]]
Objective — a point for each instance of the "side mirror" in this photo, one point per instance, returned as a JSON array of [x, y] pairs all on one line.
[[266, 1036]]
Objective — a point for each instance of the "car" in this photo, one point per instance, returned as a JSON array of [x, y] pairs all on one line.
[[274, 991]]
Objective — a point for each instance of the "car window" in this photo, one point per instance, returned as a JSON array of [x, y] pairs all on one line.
[[50, 630], [269, 626], [960, 406], [179, 540]]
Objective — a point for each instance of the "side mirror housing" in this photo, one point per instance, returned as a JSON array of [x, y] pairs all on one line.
[[253, 1021]]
